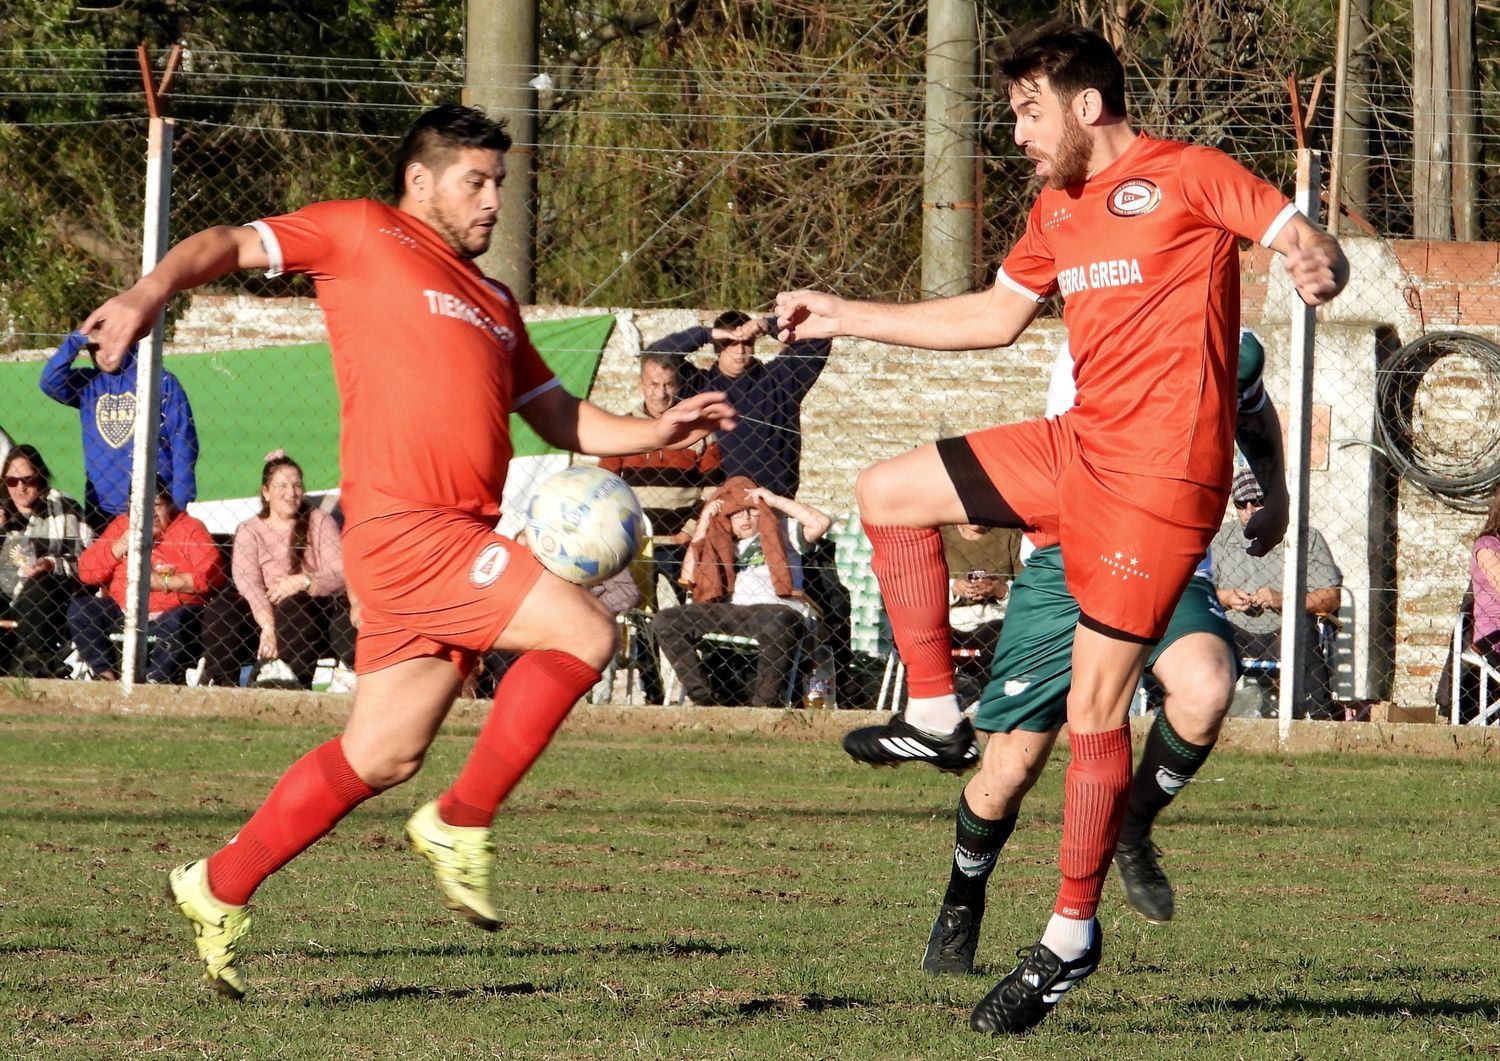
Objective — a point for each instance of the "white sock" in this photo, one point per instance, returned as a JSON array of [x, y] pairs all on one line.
[[936, 716], [1068, 937]]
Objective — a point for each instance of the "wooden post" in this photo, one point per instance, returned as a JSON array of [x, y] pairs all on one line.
[[1432, 172], [1465, 117], [948, 202]]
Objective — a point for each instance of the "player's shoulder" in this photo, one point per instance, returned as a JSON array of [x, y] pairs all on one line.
[[344, 212]]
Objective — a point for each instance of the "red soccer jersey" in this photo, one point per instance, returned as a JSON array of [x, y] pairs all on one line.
[[1144, 255], [430, 356]]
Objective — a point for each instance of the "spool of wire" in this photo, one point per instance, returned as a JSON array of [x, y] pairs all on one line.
[[1437, 401]]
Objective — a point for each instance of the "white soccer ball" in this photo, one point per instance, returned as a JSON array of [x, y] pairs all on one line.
[[584, 524]]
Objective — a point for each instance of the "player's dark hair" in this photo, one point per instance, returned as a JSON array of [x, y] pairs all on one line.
[[1071, 58], [1492, 518], [304, 513], [39, 468], [440, 133], [662, 358]]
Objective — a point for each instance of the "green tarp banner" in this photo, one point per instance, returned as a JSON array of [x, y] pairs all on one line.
[[249, 402]]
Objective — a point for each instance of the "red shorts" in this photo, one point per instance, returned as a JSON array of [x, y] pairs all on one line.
[[1129, 542], [436, 582]]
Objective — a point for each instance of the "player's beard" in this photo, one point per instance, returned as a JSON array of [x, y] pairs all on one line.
[[1071, 165], [466, 241]]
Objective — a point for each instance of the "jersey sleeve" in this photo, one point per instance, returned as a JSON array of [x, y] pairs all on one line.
[[1030, 268], [532, 376], [1226, 194], [314, 240]]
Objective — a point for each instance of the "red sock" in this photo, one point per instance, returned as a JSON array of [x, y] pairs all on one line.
[[532, 700], [1095, 794], [309, 800], [913, 577]]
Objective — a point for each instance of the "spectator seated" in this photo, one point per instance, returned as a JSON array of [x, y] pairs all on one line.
[[42, 535], [744, 567], [186, 569], [288, 603]]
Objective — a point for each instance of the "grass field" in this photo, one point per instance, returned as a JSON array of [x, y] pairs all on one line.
[[731, 896]]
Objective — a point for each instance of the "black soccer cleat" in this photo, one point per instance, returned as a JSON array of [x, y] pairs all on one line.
[[950, 948], [1147, 889], [1020, 1001], [896, 742]]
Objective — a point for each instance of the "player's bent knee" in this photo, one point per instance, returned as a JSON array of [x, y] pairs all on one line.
[[386, 771]]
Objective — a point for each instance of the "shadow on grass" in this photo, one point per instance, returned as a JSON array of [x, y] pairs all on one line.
[[390, 993], [1361, 1007], [755, 1007], [668, 948]]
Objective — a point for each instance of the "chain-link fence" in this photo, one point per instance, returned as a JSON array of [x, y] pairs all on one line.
[[1402, 450]]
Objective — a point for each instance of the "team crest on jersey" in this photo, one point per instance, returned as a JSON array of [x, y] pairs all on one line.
[[114, 416], [1134, 198], [488, 565]]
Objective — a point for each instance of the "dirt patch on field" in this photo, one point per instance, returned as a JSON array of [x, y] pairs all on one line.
[[64, 698]]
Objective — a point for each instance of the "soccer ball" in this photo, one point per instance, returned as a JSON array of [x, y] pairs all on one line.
[[584, 524]]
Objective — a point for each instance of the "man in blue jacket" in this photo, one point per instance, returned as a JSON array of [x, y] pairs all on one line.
[[767, 444], [106, 399]]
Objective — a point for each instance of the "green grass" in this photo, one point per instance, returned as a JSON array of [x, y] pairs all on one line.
[[720, 896]]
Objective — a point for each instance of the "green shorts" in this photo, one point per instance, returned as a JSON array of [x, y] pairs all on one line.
[[1033, 666]]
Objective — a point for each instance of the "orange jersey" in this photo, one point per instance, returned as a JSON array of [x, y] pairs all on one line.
[[430, 356], [1144, 255]]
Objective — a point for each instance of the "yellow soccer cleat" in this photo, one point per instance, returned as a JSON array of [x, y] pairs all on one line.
[[463, 858], [217, 926]]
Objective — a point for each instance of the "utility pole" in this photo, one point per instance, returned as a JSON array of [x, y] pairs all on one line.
[[948, 173], [1432, 152], [500, 61]]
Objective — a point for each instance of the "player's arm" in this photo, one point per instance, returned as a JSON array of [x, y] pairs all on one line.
[[1314, 259], [1258, 433], [201, 258], [571, 423], [977, 320]]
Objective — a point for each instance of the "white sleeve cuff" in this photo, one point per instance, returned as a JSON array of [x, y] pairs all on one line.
[[533, 392], [1287, 213], [275, 263], [1001, 277]]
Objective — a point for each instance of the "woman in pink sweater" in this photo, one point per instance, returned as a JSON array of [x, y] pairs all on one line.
[[288, 601]]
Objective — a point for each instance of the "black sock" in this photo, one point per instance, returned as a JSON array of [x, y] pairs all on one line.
[[1167, 764], [975, 850]]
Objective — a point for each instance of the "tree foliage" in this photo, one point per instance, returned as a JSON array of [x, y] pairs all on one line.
[[690, 153]]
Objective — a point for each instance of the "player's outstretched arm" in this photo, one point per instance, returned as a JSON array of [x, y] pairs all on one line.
[[977, 320], [199, 259], [1314, 259], [574, 424]]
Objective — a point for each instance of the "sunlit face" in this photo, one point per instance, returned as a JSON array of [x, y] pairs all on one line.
[[735, 358], [109, 363], [461, 201], [658, 388], [23, 483], [745, 523], [1050, 133], [161, 516], [284, 492]]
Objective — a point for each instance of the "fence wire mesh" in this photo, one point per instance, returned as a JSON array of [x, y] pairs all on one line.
[[654, 194]]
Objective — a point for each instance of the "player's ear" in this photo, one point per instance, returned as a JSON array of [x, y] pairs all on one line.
[[1088, 106], [418, 181]]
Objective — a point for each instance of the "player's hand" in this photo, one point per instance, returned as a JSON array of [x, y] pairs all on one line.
[[122, 320], [693, 419], [809, 315], [1236, 600], [1317, 266], [1266, 526]]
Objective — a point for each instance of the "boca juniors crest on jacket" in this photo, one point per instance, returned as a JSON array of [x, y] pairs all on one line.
[[107, 403]]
